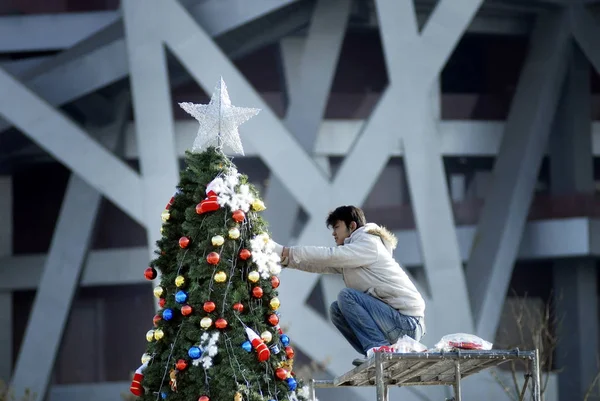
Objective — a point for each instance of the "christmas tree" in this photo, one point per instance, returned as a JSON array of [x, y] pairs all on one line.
[[216, 336]]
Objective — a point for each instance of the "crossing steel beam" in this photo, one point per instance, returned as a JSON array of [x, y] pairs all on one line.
[[516, 170]]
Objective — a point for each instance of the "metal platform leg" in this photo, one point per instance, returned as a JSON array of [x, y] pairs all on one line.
[[311, 388], [457, 392], [382, 388], [535, 379]]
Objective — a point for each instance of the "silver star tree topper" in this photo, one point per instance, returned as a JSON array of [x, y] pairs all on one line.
[[219, 121]]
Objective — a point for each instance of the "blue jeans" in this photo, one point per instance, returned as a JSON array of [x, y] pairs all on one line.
[[368, 322]]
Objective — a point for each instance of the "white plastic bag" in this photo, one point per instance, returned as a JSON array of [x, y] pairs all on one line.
[[406, 344], [462, 341]]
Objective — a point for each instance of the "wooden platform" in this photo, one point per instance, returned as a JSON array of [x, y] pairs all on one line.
[[430, 369]]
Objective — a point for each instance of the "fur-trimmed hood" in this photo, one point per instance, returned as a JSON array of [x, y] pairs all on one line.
[[387, 237]]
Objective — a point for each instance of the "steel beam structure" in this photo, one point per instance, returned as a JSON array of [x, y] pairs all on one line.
[[575, 279], [586, 30], [59, 280], [542, 240], [101, 59], [308, 86], [58, 136], [46, 32], [6, 304], [456, 138], [516, 169], [154, 131]]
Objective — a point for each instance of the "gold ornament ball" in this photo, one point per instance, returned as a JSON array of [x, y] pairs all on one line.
[[274, 303], [237, 397], [220, 277], [150, 335], [258, 205], [179, 281], [146, 358], [253, 276], [234, 233], [266, 336], [158, 334], [158, 291], [217, 240], [165, 216], [206, 322]]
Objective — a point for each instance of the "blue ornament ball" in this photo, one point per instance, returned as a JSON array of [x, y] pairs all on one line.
[[167, 314], [247, 346], [163, 395], [181, 297], [291, 383], [194, 352], [285, 340]]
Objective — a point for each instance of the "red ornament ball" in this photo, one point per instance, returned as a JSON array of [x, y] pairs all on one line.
[[281, 373], [184, 242], [150, 273], [186, 310], [289, 352], [204, 398], [213, 258], [156, 319], [257, 292], [181, 364], [221, 323], [209, 306], [273, 319], [238, 307], [245, 254], [239, 216], [275, 281], [162, 302]]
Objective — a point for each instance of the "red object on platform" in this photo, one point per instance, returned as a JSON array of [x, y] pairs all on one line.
[[464, 345]]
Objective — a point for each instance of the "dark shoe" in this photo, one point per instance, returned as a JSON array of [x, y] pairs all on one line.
[[359, 361]]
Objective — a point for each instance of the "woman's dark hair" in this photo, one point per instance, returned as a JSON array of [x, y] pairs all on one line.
[[347, 214]]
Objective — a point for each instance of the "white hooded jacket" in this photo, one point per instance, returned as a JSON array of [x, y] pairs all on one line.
[[367, 264]]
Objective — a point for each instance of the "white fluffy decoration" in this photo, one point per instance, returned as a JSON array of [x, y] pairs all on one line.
[[305, 393], [224, 187], [267, 261], [208, 345]]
